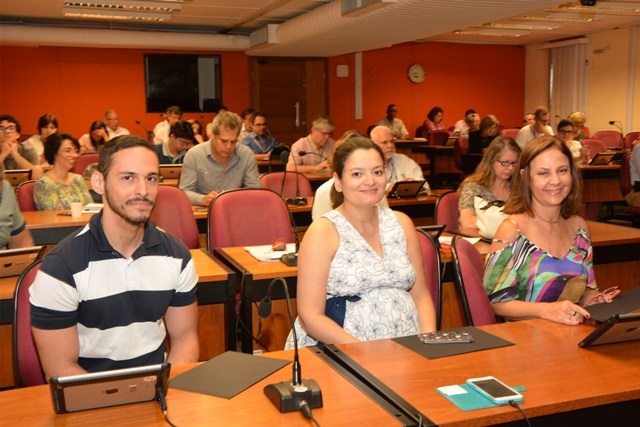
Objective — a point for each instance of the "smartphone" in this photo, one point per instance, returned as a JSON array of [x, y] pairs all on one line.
[[495, 390]]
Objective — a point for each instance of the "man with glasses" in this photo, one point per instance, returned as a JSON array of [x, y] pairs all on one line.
[[112, 120], [317, 148], [14, 155], [219, 164], [259, 140], [161, 129], [180, 140], [566, 133], [538, 128]]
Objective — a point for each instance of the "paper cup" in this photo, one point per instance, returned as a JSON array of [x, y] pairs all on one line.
[[76, 209]]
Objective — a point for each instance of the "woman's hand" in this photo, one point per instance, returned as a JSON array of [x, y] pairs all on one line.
[[564, 312]]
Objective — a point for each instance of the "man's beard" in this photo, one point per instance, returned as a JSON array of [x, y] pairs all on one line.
[[121, 211]]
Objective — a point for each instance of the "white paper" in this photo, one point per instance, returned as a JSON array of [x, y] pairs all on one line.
[[452, 390], [92, 207], [265, 253]]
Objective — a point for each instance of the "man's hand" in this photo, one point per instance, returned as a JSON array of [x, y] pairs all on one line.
[[208, 198]]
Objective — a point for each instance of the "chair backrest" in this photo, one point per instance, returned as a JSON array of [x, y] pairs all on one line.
[[27, 370], [173, 213], [630, 138], [586, 132], [625, 175], [247, 217], [469, 271], [83, 161], [293, 181], [24, 196], [439, 137], [510, 132], [611, 138], [595, 146], [431, 261], [446, 211], [421, 131], [460, 147]]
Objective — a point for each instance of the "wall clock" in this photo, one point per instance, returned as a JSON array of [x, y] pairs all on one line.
[[416, 73]]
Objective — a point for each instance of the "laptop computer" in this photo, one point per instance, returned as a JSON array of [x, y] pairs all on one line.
[[17, 176], [170, 171], [109, 388], [406, 188], [602, 158], [618, 328], [14, 261]]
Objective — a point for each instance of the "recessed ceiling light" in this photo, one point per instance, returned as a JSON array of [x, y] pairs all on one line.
[[157, 6], [522, 27], [490, 33], [114, 14], [558, 17]]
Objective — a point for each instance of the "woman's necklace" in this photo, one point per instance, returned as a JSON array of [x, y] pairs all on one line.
[[544, 235]]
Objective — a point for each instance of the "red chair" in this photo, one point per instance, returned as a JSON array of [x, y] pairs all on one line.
[[295, 182], [510, 132], [460, 147], [431, 261], [247, 217], [24, 196], [611, 138], [439, 137], [630, 138], [629, 213], [468, 267], [27, 369], [421, 131], [595, 146], [83, 162], [173, 213], [446, 211]]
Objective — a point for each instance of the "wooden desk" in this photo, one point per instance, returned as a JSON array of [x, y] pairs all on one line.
[[558, 375], [216, 297], [343, 405], [601, 184], [268, 166], [317, 179], [253, 279]]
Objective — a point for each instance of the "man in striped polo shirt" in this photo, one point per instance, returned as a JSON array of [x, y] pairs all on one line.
[[106, 296]]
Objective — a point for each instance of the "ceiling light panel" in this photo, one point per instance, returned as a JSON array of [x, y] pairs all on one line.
[[122, 15], [129, 5]]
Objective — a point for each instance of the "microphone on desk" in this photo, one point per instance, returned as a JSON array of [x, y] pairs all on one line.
[[618, 124], [304, 153], [149, 134], [297, 200], [297, 394]]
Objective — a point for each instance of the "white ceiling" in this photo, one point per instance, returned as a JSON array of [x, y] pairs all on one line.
[[317, 27]]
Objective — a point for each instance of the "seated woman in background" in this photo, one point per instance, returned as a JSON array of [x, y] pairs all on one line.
[[566, 133], [197, 130], [481, 138], [96, 138], [360, 271], [47, 125], [579, 120], [58, 187], [433, 122], [541, 260], [491, 182]]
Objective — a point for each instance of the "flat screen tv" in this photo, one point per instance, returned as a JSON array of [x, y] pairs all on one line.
[[192, 82]]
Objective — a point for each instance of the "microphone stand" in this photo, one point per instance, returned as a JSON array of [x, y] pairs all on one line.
[[149, 134], [297, 394], [297, 200], [618, 124], [284, 158]]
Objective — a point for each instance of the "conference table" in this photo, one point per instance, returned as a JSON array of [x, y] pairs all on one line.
[[216, 291], [565, 385]]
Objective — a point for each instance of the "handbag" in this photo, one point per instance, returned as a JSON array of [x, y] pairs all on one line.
[[489, 216]]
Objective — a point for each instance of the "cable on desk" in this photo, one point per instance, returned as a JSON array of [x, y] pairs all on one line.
[[515, 405], [163, 404], [306, 411]]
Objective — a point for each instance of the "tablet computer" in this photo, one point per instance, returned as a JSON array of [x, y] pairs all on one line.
[[14, 261], [602, 158], [170, 171], [406, 188], [434, 230], [17, 176], [618, 328], [109, 388]]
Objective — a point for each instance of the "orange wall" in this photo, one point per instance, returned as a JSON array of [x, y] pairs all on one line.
[[77, 85], [489, 79]]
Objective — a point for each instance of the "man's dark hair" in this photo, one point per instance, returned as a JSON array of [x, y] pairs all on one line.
[[11, 119], [53, 143], [564, 122], [116, 144], [181, 129]]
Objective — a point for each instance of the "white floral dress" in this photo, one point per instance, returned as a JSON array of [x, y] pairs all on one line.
[[384, 308]]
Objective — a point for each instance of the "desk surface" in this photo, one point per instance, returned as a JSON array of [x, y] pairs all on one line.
[[558, 375], [260, 270], [343, 404]]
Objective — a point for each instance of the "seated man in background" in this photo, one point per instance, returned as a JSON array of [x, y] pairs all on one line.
[[13, 228], [112, 120], [14, 155], [161, 129], [538, 128], [106, 297], [317, 148], [180, 140], [220, 164], [259, 140], [470, 123], [397, 127], [566, 133]]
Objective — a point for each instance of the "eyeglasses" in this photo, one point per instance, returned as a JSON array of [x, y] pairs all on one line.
[[506, 163], [565, 131], [7, 129], [611, 292]]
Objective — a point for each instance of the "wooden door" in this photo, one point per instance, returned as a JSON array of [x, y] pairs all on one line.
[[291, 92]]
